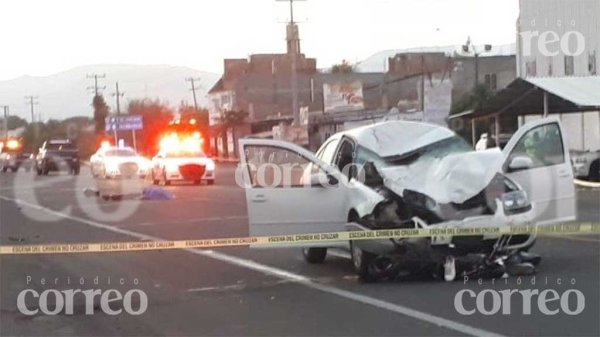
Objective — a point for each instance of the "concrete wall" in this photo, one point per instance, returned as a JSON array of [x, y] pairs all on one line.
[[463, 76]]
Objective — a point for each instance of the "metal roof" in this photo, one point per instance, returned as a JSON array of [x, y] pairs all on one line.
[[526, 96], [582, 91]]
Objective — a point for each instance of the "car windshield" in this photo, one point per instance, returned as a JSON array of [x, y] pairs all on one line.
[[422, 155], [121, 153], [60, 147]]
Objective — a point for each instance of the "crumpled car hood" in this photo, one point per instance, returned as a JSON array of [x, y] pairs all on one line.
[[454, 178]]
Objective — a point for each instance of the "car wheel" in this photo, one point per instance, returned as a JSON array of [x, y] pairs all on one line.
[[4, 169], [361, 261], [594, 174], [45, 171], [210, 182], [38, 171], [314, 255], [14, 169]]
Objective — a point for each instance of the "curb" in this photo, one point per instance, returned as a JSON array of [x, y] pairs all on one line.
[[584, 183]]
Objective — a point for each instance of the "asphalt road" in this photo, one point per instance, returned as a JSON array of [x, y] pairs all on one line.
[[241, 291]]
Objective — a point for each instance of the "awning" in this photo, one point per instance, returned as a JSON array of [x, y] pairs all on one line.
[[526, 96]]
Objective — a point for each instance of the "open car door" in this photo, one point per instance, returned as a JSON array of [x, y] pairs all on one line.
[[537, 158], [283, 192]]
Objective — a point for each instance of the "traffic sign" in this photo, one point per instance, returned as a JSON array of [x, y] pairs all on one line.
[[128, 122]]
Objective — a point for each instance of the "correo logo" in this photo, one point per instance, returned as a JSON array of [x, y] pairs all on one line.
[[63, 301], [490, 302]]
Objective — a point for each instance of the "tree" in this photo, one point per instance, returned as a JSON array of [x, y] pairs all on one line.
[[156, 116], [101, 111], [188, 111], [472, 100], [229, 120], [343, 68], [14, 122]]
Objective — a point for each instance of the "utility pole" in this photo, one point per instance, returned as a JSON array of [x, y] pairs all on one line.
[[293, 50], [32, 101], [118, 95], [5, 122], [193, 89], [96, 88]]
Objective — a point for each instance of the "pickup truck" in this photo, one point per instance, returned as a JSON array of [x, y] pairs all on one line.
[[57, 155], [586, 164]]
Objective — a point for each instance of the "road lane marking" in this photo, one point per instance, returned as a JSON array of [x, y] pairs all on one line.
[[584, 183], [285, 275]]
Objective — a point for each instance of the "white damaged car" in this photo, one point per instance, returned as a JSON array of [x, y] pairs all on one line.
[[408, 175]]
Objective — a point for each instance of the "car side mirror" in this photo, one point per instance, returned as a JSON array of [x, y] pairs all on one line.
[[520, 163], [323, 179]]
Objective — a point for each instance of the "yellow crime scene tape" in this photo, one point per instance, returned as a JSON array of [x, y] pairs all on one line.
[[281, 240]]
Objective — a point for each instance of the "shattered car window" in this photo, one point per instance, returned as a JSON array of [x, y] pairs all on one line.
[[429, 153]]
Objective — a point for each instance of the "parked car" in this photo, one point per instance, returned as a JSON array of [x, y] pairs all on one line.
[[57, 155], [586, 164], [116, 162], [12, 157], [408, 175], [183, 165]]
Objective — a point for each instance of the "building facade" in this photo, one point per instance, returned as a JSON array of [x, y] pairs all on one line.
[[558, 38]]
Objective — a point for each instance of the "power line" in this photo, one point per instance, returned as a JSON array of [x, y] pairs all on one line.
[[193, 89], [95, 87]]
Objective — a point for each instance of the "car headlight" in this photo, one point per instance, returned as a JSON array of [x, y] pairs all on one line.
[[210, 166], [514, 202]]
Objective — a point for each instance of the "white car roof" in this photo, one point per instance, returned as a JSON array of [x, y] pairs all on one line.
[[394, 138]]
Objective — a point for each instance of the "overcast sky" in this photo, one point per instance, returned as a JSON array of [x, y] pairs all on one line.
[[41, 37]]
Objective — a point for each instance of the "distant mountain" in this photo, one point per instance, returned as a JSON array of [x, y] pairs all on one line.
[[64, 95], [377, 61]]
